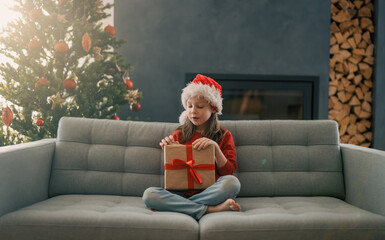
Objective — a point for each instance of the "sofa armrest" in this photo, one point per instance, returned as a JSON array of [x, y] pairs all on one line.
[[364, 172], [24, 174]]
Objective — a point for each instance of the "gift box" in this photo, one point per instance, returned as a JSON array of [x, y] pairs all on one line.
[[188, 169]]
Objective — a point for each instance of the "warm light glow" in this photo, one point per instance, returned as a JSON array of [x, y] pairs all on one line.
[[6, 16]]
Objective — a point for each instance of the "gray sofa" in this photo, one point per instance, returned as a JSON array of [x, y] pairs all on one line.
[[298, 182]]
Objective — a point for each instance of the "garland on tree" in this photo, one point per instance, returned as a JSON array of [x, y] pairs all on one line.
[[62, 62]]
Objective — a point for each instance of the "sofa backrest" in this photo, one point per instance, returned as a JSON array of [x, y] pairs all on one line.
[[94, 156], [288, 157], [275, 158]]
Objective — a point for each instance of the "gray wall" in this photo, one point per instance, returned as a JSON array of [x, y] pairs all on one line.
[[379, 77], [169, 38]]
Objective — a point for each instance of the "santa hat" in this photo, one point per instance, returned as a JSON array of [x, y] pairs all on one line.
[[205, 87]]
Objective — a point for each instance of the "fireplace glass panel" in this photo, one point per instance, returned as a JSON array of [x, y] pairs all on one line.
[[262, 104]]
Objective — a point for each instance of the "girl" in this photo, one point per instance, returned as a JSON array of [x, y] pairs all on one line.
[[202, 100]]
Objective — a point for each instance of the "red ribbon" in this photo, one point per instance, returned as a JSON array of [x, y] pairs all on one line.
[[192, 173]]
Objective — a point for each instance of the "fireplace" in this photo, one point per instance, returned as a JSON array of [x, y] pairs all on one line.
[[259, 97]]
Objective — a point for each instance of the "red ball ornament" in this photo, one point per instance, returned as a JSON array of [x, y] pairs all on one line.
[[35, 14], [86, 42], [43, 81], [115, 117], [135, 107], [37, 85], [34, 45], [110, 29], [69, 84], [39, 122], [7, 116], [129, 84], [61, 47]]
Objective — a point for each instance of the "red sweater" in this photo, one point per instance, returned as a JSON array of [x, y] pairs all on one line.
[[226, 145]]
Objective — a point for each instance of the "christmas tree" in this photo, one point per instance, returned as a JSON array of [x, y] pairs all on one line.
[[62, 62]]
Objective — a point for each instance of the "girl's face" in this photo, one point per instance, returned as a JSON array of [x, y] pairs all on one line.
[[199, 111]]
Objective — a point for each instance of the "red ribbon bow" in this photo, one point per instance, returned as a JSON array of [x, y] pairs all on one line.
[[192, 173]]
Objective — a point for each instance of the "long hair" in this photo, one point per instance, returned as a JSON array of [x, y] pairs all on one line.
[[213, 131]]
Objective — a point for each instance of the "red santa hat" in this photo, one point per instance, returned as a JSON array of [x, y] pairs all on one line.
[[205, 87]]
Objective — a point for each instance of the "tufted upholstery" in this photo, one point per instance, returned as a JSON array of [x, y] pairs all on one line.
[[107, 157], [275, 158], [288, 158]]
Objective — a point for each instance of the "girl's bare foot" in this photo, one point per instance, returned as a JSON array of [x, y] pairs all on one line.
[[228, 205]]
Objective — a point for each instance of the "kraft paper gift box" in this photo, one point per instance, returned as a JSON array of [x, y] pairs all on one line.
[[187, 168]]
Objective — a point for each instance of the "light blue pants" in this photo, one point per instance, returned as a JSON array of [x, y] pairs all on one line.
[[161, 199]]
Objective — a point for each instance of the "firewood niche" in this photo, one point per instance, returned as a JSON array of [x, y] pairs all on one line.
[[351, 68]]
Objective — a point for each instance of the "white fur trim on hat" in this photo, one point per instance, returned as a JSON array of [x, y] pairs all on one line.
[[209, 93]]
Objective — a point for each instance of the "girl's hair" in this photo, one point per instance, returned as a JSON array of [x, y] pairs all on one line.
[[214, 130]]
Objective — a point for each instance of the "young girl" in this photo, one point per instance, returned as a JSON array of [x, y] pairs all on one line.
[[202, 100]]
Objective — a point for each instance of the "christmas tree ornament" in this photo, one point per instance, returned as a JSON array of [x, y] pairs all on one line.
[[62, 2], [69, 84], [61, 18], [61, 47], [115, 117], [35, 14], [129, 84], [97, 54], [86, 42], [132, 96], [7, 116], [125, 77], [39, 122], [34, 45], [136, 106], [56, 100], [43, 81], [98, 7], [110, 30]]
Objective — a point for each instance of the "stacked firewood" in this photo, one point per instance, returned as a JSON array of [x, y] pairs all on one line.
[[351, 70]]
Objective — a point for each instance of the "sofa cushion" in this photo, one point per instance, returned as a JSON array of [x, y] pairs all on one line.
[[293, 218], [288, 158], [79, 217]]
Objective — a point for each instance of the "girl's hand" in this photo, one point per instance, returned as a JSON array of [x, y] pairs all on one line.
[[202, 143], [168, 141]]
